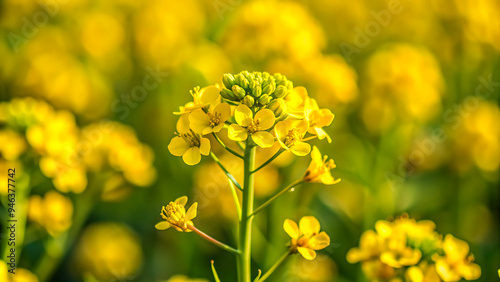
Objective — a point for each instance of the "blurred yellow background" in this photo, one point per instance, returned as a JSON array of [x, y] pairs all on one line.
[[87, 91]]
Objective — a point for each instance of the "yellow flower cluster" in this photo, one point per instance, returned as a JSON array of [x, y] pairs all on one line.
[[67, 153], [404, 83], [412, 250], [54, 212], [256, 106]]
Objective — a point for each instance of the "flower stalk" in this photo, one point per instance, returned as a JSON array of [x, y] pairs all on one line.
[[213, 241], [245, 228]]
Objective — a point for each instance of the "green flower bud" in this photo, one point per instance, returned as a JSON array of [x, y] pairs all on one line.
[[228, 94], [239, 92], [264, 99], [242, 81], [269, 89], [248, 101], [278, 107], [257, 91], [280, 92], [228, 80], [289, 85]]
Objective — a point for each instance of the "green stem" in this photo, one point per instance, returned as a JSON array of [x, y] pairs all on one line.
[[229, 175], [273, 268], [268, 161], [213, 241], [226, 147], [245, 227], [268, 202]]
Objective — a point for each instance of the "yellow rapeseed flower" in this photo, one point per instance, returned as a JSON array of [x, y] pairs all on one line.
[[190, 146], [317, 118], [319, 169], [457, 262], [175, 215], [290, 133], [253, 126], [306, 238], [212, 121]]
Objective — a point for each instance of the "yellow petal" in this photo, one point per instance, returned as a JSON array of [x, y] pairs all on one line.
[[455, 248], [281, 131], [316, 155], [191, 213], [322, 134], [263, 139], [243, 115], [209, 94], [309, 225], [204, 146], [415, 274], [302, 126], [266, 118], [470, 271], [320, 241], [178, 146], [162, 225], [301, 149], [307, 253], [182, 200], [291, 228], [224, 110], [192, 156], [237, 133], [182, 125], [355, 255], [199, 121]]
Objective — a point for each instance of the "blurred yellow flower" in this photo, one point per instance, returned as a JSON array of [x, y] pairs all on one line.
[[54, 212], [190, 146], [307, 238], [398, 254], [369, 247], [422, 273], [457, 262], [290, 134], [108, 251], [319, 169], [258, 32], [317, 118], [254, 126], [13, 144], [404, 84], [175, 215], [212, 121], [21, 274], [477, 140]]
